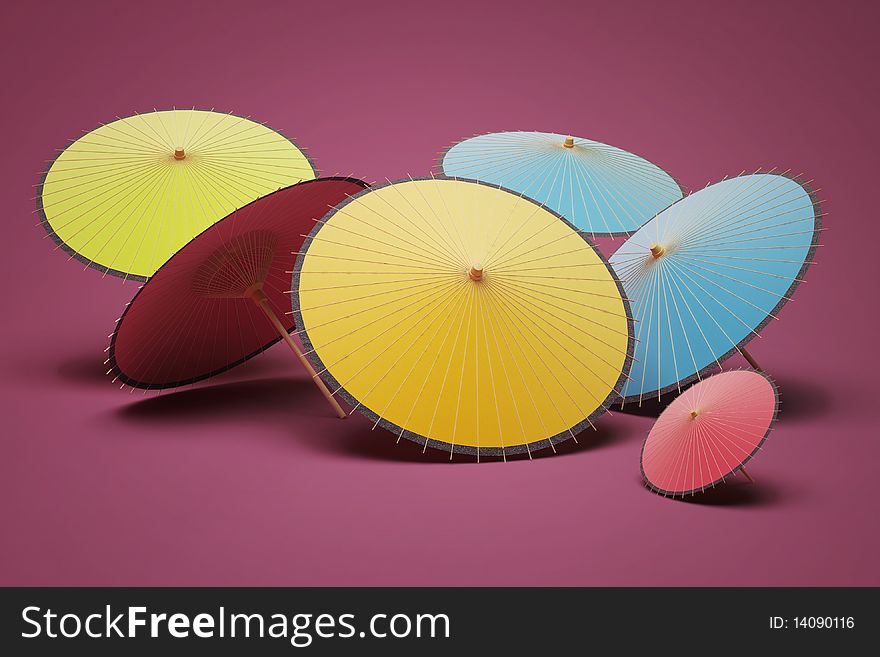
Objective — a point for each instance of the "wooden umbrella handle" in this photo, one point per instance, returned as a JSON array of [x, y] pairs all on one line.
[[750, 359], [259, 298]]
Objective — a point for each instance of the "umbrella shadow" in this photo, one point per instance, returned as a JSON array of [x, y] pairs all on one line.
[[84, 369], [282, 400], [799, 400], [646, 408], [802, 400], [737, 492], [361, 440], [89, 368], [254, 400]]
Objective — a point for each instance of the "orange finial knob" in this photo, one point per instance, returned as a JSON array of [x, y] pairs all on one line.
[[694, 414], [179, 153], [569, 142], [657, 250], [476, 272]]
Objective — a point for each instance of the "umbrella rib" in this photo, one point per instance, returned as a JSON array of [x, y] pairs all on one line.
[[518, 285], [652, 290], [438, 308], [680, 294], [59, 168], [639, 210], [762, 221], [707, 214], [811, 231], [211, 138], [775, 294], [107, 221], [491, 250], [142, 209], [726, 218], [442, 290], [761, 272], [661, 186], [507, 266], [268, 177], [512, 397], [167, 146], [664, 289], [583, 173], [732, 342], [497, 256], [447, 270], [372, 238], [241, 145], [120, 188], [690, 269], [498, 167], [452, 353], [89, 193], [443, 246], [524, 309], [684, 332], [128, 121], [453, 299], [419, 294], [493, 254], [418, 397], [343, 210], [467, 336], [350, 285], [508, 319], [332, 303], [437, 223]]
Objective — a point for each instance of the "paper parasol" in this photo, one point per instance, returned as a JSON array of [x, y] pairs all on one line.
[[600, 189], [461, 316], [206, 310], [709, 272], [709, 432], [126, 196]]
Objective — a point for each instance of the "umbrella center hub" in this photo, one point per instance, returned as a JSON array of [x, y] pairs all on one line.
[[657, 250], [179, 153], [475, 273], [569, 142], [695, 413], [236, 268]]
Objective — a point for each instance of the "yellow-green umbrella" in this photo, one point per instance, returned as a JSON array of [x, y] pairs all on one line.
[[124, 197]]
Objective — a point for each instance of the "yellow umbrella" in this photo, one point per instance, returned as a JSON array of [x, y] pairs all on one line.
[[461, 316], [126, 196]]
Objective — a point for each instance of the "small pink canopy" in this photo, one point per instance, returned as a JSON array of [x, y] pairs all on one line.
[[709, 432]]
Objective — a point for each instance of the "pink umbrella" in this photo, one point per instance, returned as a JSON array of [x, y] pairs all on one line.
[[709, 432]]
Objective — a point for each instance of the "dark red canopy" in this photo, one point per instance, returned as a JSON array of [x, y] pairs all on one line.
[[199, 315]]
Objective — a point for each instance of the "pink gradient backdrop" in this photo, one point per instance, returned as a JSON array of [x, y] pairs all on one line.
[[252, 481]]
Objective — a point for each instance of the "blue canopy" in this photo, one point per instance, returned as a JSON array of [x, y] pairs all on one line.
[[706, 274], [600, 189]]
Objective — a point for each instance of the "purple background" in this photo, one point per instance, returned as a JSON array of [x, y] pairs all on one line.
[[250, 480]]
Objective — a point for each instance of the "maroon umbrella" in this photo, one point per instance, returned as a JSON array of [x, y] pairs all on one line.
[[224, 297]]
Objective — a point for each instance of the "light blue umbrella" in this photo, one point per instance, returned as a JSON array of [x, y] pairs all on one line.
[[600, 189], [708, 273]]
